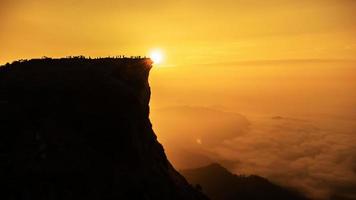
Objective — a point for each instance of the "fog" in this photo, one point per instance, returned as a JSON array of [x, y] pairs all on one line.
[[293, 122]]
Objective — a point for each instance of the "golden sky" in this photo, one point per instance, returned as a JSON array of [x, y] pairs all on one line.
[[190, 32]]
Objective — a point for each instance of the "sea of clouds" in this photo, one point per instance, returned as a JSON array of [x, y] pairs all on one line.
[[315, 154]]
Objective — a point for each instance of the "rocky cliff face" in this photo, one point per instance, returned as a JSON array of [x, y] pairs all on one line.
[[79, 128]]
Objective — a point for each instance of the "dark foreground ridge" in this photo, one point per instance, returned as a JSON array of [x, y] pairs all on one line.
[[220, 184], [77, 128]]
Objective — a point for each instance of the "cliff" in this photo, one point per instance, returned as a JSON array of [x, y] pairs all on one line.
[[76, 128]]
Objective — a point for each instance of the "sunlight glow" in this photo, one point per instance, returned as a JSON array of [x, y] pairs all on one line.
[[156, 56]]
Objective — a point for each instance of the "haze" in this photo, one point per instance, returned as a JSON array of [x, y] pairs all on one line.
[[263, 87]]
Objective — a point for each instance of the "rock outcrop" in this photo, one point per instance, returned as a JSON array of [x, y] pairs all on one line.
[[77, 128]]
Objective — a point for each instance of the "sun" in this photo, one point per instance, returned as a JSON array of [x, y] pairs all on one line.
[[156, 56]]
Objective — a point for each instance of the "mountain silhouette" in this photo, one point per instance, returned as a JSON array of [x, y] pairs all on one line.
[[220, 184], [77, 128]]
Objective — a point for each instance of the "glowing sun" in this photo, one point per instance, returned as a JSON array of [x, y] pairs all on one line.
[[156, 56]]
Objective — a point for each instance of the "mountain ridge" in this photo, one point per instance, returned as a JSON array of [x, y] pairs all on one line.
[[220, 184]]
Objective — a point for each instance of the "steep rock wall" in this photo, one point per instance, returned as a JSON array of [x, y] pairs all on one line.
[[77, 128]]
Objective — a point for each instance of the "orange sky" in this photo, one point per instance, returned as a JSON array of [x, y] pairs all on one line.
[[190, 32]]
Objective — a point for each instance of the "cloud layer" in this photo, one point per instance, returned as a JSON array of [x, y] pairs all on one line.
[[316, 156]]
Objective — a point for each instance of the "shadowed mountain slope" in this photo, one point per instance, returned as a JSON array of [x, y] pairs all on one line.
[[219, 184], [77, 128]]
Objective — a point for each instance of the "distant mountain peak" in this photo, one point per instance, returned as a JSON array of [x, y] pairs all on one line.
[[216, 167], [220, 184]]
